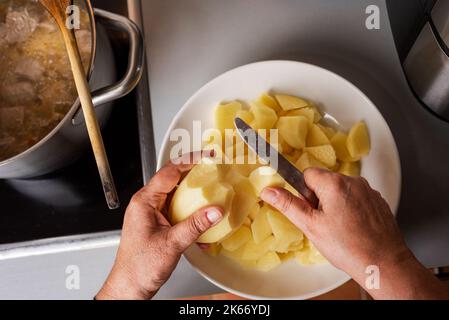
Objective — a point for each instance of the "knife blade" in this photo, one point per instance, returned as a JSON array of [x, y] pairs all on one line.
[[284, 167]]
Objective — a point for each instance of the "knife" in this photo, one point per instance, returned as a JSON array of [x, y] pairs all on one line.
[[284, 167]]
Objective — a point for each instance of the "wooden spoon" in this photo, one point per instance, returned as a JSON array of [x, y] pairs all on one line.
[[57, 9]]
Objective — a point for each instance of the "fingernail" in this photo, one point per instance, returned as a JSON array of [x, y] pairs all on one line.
[[213, 215], [270, 195]]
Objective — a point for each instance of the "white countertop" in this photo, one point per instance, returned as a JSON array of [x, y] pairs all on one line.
[[192, 41]]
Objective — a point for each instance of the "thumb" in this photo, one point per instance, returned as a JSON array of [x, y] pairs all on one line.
[[297, 210], [185, 233]]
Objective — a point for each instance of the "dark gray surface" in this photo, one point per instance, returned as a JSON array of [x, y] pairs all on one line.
[[191, 42]]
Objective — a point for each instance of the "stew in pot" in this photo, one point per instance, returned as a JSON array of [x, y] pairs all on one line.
[[36, 83]]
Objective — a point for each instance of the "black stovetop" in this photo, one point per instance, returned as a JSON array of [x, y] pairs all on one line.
[[71, 201]]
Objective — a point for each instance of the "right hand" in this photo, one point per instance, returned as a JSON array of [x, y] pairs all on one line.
[[354, 227]]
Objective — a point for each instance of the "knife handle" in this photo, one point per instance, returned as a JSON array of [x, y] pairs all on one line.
[[297, 182]]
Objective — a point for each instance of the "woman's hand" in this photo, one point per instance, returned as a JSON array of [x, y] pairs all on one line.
[[150, 248], [354, 228]]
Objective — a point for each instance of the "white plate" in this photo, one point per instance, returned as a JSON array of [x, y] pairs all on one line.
[[335, 96]]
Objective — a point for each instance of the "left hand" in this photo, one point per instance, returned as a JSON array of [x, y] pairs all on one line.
[[150, 248]]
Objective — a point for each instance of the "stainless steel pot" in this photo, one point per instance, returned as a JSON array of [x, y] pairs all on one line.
[[66, 142]]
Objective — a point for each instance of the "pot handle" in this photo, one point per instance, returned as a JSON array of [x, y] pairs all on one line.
[[135, 62]]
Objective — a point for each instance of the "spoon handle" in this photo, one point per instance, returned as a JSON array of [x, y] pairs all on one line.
[[93, 128]]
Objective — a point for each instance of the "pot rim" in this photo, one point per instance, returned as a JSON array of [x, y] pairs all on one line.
[[75, 105]]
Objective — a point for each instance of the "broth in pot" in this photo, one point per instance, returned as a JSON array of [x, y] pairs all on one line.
[[36, 82]]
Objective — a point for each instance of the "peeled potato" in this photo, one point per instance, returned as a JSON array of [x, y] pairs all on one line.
[[294, 130], [187, 201], [269, 101], [237, 239], [202, 175], [260, 227], [265, 177], [268, 261], [358, 142], [264, 117], [351, 169], [225, 115], [324, 154], [291, 103], [316, 137]]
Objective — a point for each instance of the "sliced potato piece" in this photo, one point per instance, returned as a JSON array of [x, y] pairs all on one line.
[[359, 143], [225, 115], [287, 256], [242, 203], [254, 251], [339, 143], [304, 112], [265, 177], [293, 130], [328, 131], [316, 112], [260, 227], [269, 101], [234, 255], [237, 239], [264, 117], [307, 161], [324, 154], [351, 169], [283, 230], [268, 261], [316, 137], [254, 212], [309, 255], [288, 103]]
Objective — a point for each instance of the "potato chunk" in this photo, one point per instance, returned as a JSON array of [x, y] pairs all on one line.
[[358, 142], [284, 231], [351, 169], [339, 143], [316, 137], [269, 101], [307, 161], [268, 261], [264, 117], [293, 130], [237, 239], [254, 251], [324, 154], [291, 103], [260, 227], [225, 115]]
